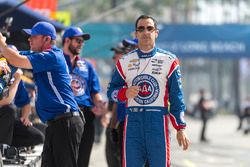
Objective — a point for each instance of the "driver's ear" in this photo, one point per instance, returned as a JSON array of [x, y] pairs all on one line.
[[157, 33]]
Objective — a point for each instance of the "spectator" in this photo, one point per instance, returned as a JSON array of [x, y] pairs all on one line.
[[245, 114], [205, 107]]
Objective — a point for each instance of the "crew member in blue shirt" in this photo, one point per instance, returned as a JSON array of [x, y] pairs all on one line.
[[55, 103], [86, 88]]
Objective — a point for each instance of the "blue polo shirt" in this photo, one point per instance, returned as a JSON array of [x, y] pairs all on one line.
[[84, 81], [51, 76], [22, 96]]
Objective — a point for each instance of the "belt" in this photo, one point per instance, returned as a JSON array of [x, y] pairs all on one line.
[[147, 109], [63, 116]]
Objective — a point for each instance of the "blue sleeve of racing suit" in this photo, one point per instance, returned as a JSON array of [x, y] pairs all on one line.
[[177, 106], [117, 82]]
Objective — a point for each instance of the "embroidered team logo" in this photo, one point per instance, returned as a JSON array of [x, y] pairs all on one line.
[[78, 85], [114, 95], [81, 65], [149, 89]]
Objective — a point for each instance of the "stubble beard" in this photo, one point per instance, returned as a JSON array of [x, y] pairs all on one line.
[[73, 50]]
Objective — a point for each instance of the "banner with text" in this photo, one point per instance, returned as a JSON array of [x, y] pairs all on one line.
[[222, 41]]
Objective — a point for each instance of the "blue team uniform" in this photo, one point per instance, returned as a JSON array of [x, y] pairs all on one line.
[[22, 96], [85, 81], [54, 93], [121, 111], [55, 103]]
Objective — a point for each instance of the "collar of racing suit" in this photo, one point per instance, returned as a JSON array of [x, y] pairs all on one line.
[[142, 54]]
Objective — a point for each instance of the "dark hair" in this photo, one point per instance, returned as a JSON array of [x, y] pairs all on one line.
[[145, 17], [64, 39]]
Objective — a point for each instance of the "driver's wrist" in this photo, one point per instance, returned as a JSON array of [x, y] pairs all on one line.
[[180, 130]]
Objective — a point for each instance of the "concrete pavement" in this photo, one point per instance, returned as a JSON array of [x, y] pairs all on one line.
[[227, 147]]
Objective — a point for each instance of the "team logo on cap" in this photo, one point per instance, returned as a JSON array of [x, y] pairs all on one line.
[[149, 89], [78, 85]]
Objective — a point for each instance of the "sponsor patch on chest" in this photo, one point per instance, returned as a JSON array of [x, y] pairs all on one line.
[[149, 89]]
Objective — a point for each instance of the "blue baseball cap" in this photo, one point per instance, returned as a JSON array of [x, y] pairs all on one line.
[[42, 28], [130, 43], [74, 32], [119, 48]]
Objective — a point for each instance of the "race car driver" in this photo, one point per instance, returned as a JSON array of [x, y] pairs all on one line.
[[147, 79]]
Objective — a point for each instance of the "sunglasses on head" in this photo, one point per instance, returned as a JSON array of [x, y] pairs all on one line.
[[148, 28]]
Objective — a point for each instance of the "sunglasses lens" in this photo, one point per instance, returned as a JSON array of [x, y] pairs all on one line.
[[142, 28], [79, 41], [150, 28]]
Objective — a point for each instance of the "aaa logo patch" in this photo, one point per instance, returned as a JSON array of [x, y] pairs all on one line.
[[149, 89], [78, 85]]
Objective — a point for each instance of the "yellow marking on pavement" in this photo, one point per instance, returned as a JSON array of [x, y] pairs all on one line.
[[188, 163]]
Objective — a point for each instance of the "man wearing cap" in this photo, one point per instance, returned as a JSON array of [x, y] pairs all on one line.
[[86, 88], [55, 103], [130, 44], [113, 131]]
